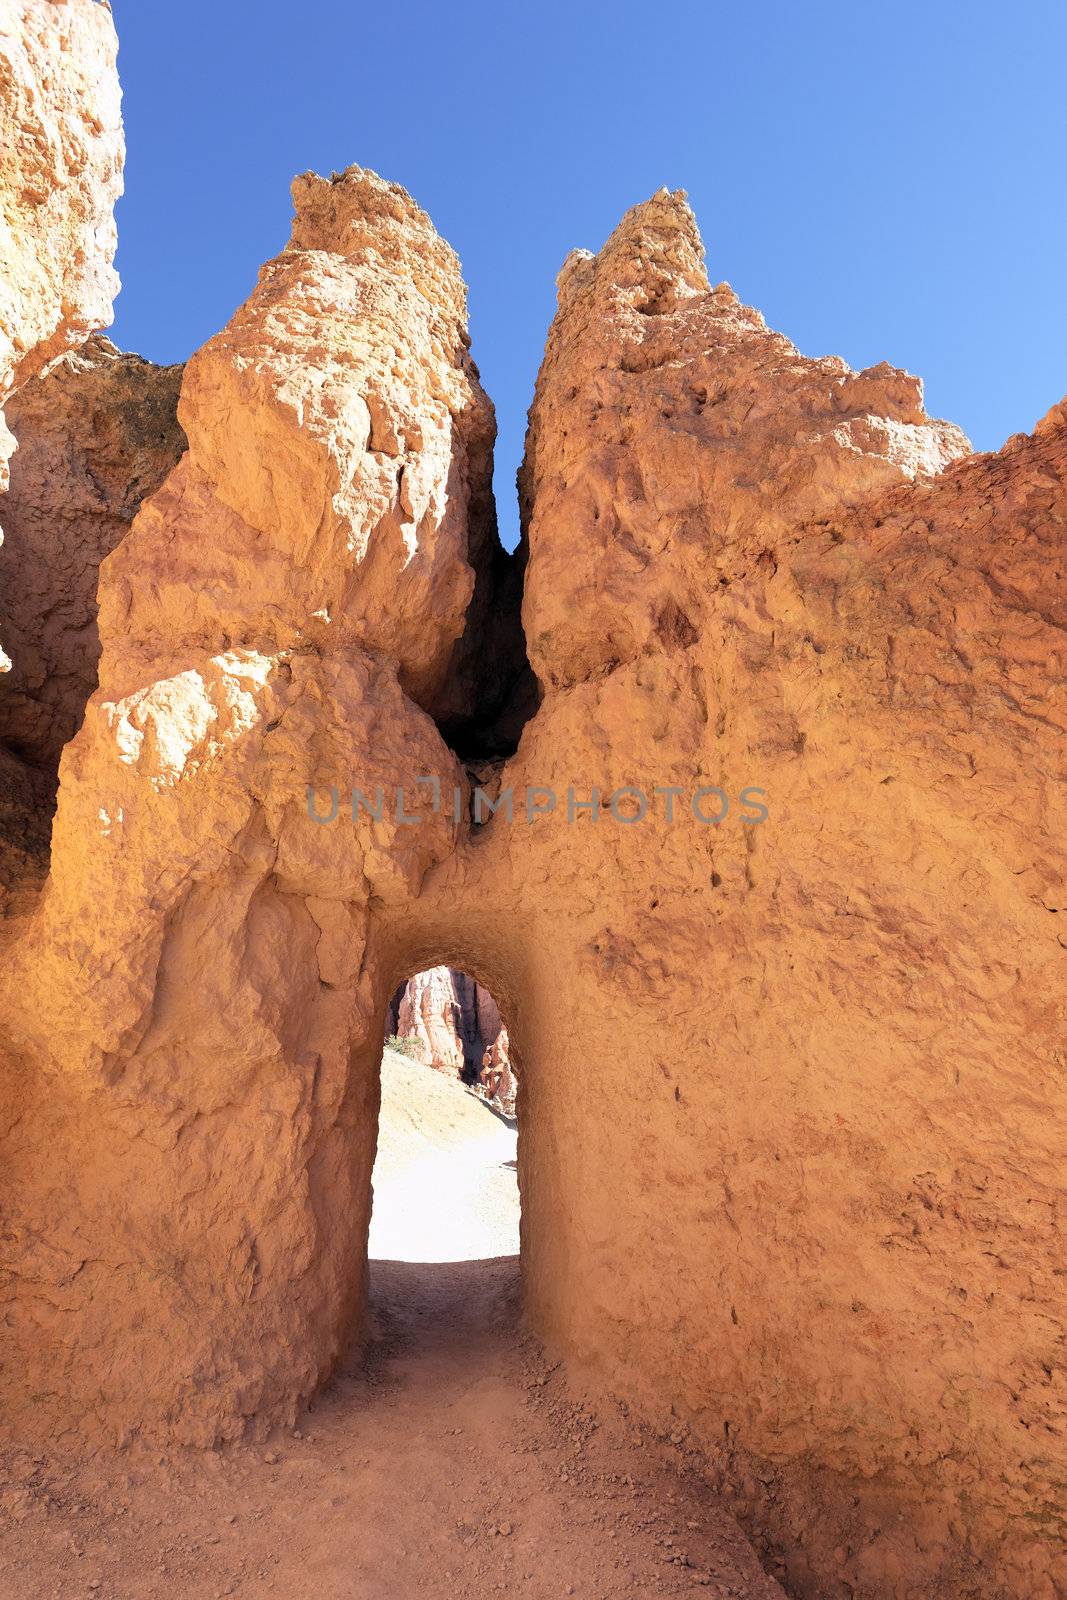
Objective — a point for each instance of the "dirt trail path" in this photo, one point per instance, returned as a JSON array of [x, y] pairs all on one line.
[[448, 1463]]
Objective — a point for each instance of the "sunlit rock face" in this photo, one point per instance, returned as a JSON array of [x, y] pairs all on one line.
[[815, 1062], [61, 154], [450, 1019], [674, 438], [336, 463], [298, 577], [790, 1088]]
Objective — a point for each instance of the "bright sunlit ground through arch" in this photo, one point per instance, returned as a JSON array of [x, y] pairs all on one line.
[[445, 1176]]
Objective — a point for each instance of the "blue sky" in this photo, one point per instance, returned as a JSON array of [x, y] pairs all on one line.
[[883, 181]]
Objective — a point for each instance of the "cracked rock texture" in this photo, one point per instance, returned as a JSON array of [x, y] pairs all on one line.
[[61, 154], [791, 1090], [342, 493], [335, 431], [831, 1182], [683, 436]]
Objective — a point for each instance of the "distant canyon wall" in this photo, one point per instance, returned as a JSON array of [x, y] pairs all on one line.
[[453, 1019]]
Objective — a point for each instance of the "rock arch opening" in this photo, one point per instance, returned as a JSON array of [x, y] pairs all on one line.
[[445, 1178]]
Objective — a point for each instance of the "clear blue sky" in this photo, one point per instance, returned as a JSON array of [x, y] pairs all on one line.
[[883, 181]]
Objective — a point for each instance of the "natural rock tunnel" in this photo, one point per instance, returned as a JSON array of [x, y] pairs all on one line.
[[813, 1213]]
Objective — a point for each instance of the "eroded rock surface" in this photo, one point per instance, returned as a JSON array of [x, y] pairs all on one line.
[[791, 1099], [97, 435], [452, 1019], [338, 460], [843, 1118], [674, 438], [61, 154], [245, 659]]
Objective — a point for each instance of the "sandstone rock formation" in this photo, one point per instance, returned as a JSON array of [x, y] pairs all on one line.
[[61, 155], [712, 437], [860, 1121], [497, 1078], [305, 558], [429, 1011], [341, 507], [96, 436], [452, 1019], [791, 1098]]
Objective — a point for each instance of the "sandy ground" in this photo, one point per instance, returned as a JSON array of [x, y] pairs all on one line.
[[448, 1462]]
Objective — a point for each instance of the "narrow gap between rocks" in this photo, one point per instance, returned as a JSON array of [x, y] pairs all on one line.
[[490, 692]]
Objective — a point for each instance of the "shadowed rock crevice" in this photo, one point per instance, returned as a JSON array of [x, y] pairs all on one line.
[[490, 692], [97, 435]]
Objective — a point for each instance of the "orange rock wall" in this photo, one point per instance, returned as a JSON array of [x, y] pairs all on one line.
[[791, 1089], [61, 155], [821, 1218], [97, 435]]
